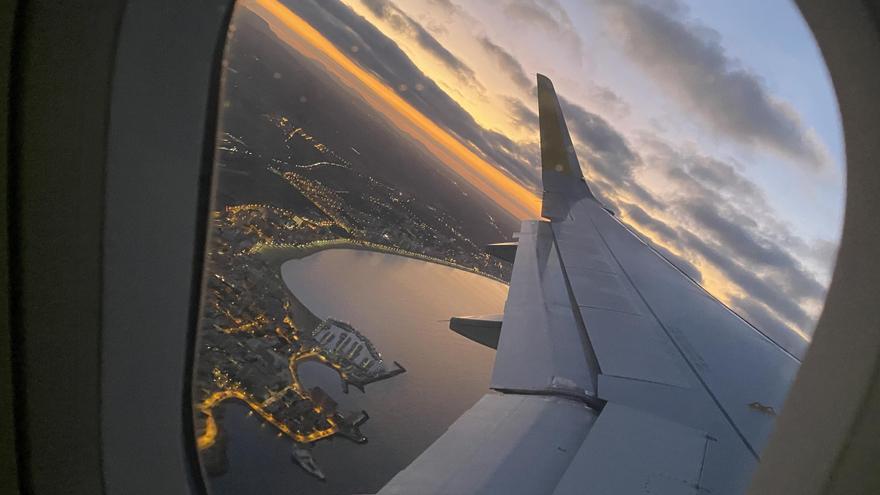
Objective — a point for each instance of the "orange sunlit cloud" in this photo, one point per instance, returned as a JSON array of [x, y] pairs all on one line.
[[487, 178]]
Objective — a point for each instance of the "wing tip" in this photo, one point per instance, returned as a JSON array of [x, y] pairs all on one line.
[[557, 151], [559, 163], [544, 83]]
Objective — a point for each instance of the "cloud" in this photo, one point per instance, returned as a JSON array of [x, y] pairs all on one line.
[[596, 133], [713, 214], [683, 264], [730, 201], [756, 251], [608, 99], [403, 23], [604, 153], [521, 115], [549, 16], [379, 54], [729, 230], [735, 212], [603, 150], [751, 250], [507, 62], [756, 287], [725, 219], [644, 219], [820, 250], [697, 174], [690, 62], [759, 316], [764, 296], [447, 6], [446, 11]]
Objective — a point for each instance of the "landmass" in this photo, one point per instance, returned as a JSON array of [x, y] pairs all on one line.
[[303, 165], [254, 332]]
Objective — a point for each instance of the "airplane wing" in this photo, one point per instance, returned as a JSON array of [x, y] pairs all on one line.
[[615, 373]]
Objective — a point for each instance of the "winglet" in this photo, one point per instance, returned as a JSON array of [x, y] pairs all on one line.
[[560, 169]]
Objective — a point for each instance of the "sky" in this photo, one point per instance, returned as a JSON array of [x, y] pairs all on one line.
[[711, 127]]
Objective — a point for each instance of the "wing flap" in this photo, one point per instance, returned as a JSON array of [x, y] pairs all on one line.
[[542, 347], [511, 444], [630, 346], [659, 456]]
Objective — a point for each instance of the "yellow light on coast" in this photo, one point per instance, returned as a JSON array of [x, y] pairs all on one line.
[[208, 438]]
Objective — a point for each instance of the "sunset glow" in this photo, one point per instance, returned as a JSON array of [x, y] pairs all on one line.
[[703, 181], [497, 186]]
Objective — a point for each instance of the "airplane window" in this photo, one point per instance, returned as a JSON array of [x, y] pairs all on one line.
[[369, 151]]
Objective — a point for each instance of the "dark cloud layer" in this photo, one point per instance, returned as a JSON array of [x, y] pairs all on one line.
[[609, 99], [707, 225], [727, 231], [446, 5], [737, 231], [603, 150], [734, 212], [507, 62], [403, 23], [762, 253], [521, 115], [757, 287], [550, 17], [762, 291], [382, 56], [767, 323], [732, 239], [668, 235], [644, 219], [690, 62], [683, 265], [595, 132]]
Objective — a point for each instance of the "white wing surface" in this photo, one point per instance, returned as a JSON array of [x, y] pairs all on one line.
[[614, 372]]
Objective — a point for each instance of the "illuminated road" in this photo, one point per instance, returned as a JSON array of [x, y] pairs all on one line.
[[209, 437]]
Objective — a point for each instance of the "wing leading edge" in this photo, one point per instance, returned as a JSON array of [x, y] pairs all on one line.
[[609, 354]]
